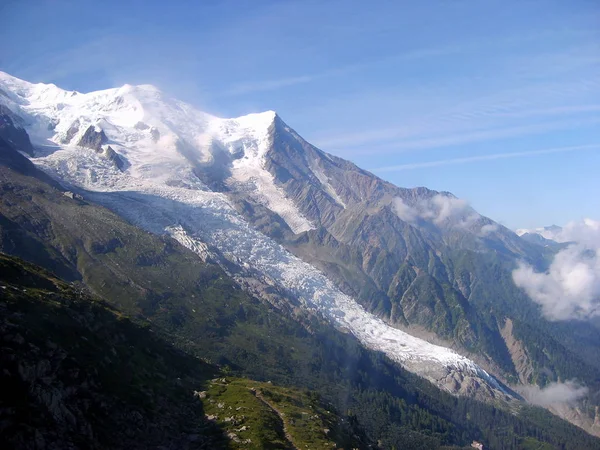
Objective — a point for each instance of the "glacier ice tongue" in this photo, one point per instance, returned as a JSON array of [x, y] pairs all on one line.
[[161, 193], [196, 217]]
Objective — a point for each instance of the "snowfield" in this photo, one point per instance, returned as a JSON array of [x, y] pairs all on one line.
[[165, 143]]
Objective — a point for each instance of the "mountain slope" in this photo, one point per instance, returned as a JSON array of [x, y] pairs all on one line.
[[409, 256], [81, 375], [164, 190], [77, 373], [394, 248], [421, 259], [201, 311]]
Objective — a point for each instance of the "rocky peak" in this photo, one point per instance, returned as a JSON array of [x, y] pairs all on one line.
[[114, 157], [93, 138]]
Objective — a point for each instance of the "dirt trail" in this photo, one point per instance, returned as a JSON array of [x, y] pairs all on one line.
[[258, 394]]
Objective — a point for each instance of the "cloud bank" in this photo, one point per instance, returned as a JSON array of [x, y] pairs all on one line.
[[405, 211], [442, 210], [570, 289], [555, 393], [439, 209]]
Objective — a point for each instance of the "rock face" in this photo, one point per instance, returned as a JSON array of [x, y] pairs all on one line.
[[12, 132], [93, 138], [114, 158], [518, 353], [71, 132]]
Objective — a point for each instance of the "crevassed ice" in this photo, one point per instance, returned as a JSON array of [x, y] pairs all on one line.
[[160, 193], [195, 216]]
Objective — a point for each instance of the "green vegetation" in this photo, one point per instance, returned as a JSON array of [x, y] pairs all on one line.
[[262, 415], [79, 372], [451, 283]]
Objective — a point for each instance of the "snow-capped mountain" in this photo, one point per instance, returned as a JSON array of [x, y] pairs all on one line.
[[169, 168], [551, 232]]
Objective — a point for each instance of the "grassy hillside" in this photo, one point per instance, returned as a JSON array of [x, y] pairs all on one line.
[[262, 415], [79, 374]]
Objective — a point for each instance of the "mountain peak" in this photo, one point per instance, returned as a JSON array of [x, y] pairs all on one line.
[[550, 232], [10, 79], [257, 120], [23, 92], [138, 88]]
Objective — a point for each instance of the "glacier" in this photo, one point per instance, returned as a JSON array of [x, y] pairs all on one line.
[[166, 143]]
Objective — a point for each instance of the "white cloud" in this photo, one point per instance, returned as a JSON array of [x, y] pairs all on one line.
[[586, 232], [443, 208], [555, 393], [570, 289], [440, 209], [487, 229], [404, 211]]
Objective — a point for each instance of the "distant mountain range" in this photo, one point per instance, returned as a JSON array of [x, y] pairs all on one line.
[[550, 232], [175, 202]]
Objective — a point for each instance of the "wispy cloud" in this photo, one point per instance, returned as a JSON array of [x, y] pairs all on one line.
[[484, 118], [420, 54], [439, 209], [275, 84], [556, 110], [270, 85], [491, 134], [476, 119], [472, 159], [406, 56], [444, 211]]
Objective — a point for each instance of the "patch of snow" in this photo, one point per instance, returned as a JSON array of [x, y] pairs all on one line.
[[327, 185]]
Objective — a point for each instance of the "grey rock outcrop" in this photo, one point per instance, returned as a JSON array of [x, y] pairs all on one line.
[[114, 157], [71, 132], [12, 132], [92, 138]]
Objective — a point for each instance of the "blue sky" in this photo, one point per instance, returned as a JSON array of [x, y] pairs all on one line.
[[495, 101]]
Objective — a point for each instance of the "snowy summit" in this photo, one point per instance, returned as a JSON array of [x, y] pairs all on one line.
[[163, 146]]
